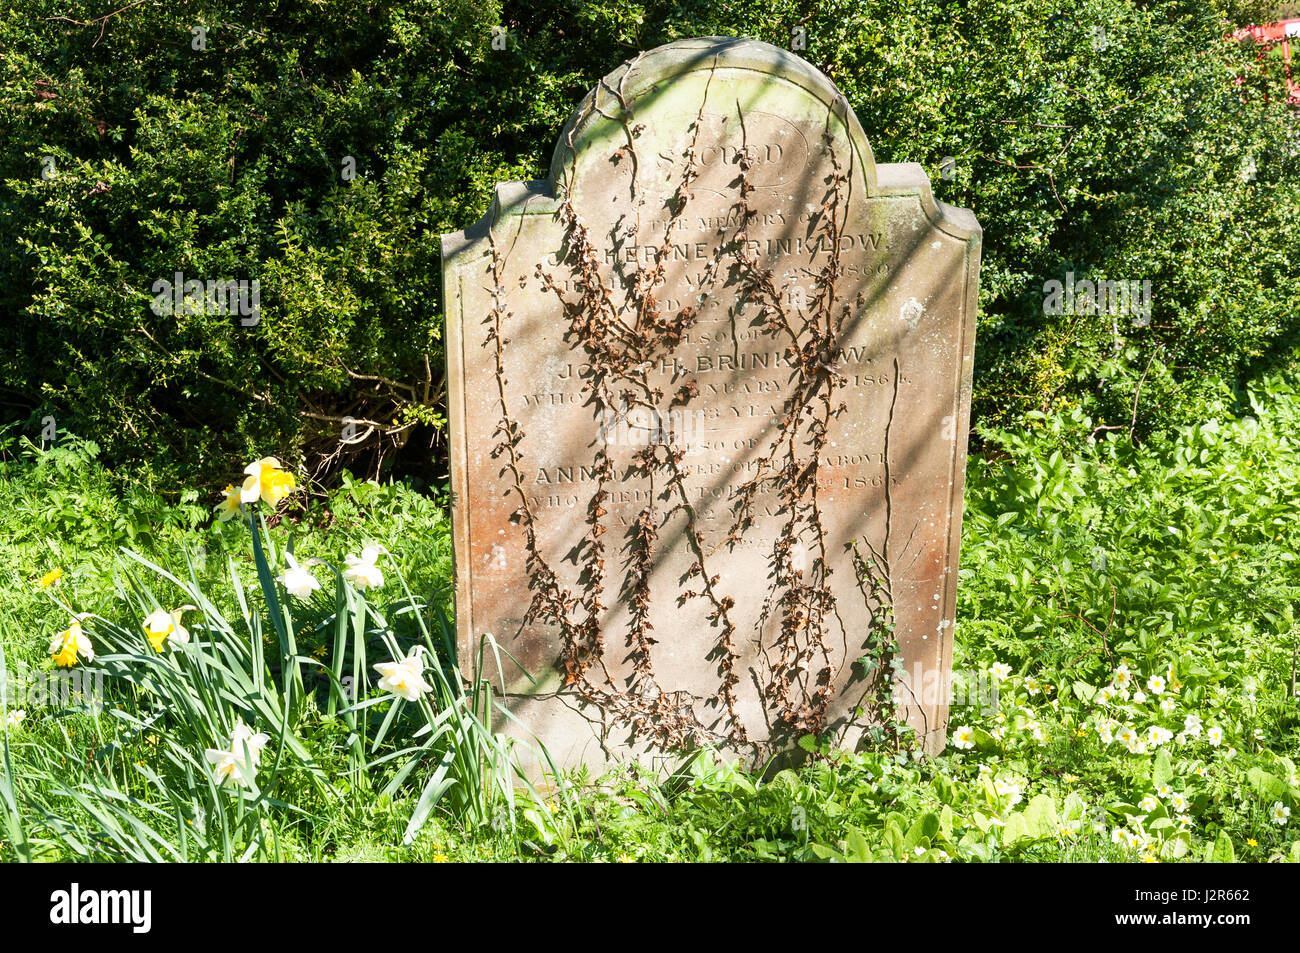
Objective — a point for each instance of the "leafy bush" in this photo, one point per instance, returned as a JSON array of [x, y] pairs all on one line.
[[1121, 163]]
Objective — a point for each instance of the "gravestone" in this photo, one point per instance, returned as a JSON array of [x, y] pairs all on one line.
[[709, 390]]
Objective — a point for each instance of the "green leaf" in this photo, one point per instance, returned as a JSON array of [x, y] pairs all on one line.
[[1162, 770], [1222, 852]]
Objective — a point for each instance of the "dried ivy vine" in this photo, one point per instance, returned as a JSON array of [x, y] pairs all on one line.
[[622, 340]]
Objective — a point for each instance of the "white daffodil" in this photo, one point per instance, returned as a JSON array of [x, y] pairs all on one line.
[[1280, 812], [297, 580], [362, 571], [266, 481], [163, 628], [72, 643], [237, 764], [963, 737], [1214, 735], [405, 678]]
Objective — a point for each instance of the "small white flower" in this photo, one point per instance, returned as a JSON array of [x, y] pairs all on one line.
[[362, 571], [1000, 670], [1008, 789], [1167, 705], [1214, 735], [1164, 791], [1158, 736], [298, 580], [1281, 812], [963, 737], [15, 718], [1178, 801], [1192, 724], [1139, 697], [1258, 734], [1122, 676], [1156, 684], [405, 678], [1149, 804]]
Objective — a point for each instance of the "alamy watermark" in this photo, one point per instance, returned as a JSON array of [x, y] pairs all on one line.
[[23, 688], [646, 426], [930, 686], [191, 296], [1104, 296]]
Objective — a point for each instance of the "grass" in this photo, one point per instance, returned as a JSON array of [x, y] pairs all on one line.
[[1149, 589]]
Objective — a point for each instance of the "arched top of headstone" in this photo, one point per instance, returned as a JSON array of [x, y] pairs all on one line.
[[778, 80], [648, 110]]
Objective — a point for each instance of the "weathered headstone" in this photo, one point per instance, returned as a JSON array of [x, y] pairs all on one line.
[[709, 397]]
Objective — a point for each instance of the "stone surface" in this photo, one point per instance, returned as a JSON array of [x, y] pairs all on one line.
[[709, 397]]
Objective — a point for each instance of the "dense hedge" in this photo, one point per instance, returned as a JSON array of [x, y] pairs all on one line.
[[1122, 154]]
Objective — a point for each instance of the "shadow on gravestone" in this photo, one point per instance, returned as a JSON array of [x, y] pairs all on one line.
[[709, 392]]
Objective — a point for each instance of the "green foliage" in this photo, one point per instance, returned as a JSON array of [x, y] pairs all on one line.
[[1134, 604], [1121, 160]]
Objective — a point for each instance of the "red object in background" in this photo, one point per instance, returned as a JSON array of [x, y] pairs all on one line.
[[1271, 34]]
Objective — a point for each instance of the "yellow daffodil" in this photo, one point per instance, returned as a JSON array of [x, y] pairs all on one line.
[[72, 643], [405, 678], [164, 628], [228, 508], [266, 481], [51, 577]]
